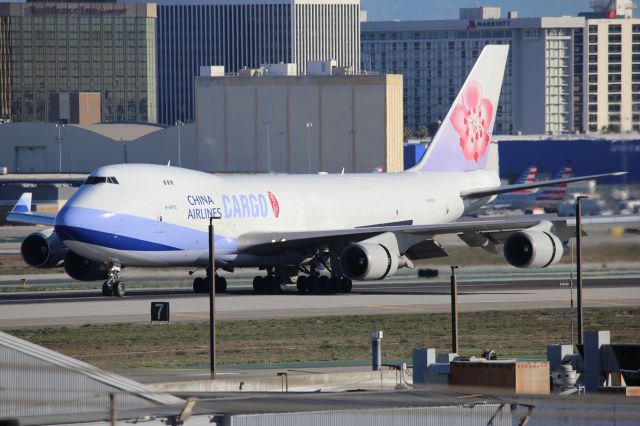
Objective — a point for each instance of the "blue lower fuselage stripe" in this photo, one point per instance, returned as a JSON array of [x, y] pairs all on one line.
[[106, 239], [133, 233]]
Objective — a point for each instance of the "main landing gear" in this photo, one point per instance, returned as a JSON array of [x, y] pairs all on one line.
[[202, 285], [113, 286], [324, 284], [306, 284]]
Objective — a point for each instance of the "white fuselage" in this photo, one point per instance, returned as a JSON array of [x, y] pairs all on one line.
[[160, 215]]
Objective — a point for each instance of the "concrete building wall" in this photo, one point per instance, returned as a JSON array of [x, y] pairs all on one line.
[[530, 102], [299, 124]]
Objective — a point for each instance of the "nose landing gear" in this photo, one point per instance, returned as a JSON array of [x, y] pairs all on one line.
[[113, 286]]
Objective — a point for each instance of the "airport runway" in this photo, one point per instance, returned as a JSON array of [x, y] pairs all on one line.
[[401, 295]]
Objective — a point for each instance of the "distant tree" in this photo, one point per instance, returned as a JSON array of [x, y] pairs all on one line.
[[407, 134], [433, 127], [422, 132]]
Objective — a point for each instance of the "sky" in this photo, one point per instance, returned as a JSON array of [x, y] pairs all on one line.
[[382, 10]]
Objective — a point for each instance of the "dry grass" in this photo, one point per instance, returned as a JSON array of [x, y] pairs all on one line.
[[325, 339]]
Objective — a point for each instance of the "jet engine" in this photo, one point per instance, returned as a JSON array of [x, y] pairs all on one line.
[[83, 269], [372, 259], [533, 248], [43, 249]]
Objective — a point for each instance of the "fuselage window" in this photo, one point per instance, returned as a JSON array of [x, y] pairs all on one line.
[[94, 180]]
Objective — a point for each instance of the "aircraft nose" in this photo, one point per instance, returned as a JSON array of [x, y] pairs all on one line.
[[80, 224]]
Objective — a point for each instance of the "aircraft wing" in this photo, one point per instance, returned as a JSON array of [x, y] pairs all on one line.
[[519, 187], [473, 232], [22, 213]]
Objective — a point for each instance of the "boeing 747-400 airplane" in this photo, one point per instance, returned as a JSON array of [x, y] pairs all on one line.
[[355, 226]]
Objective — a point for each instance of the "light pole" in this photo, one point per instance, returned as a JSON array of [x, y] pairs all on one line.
[[179, 124], [454, 310], [212, 299], [579, 264], [267, 125], [59, 126], [309, 125]]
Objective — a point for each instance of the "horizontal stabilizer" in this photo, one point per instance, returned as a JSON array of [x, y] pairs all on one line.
[[540, 184]]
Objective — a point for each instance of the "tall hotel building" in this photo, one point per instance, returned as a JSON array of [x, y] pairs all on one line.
[[549, 84], [58, 47], [247, 33]]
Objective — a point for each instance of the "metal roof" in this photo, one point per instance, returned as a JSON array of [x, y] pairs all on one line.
[[38, 381]]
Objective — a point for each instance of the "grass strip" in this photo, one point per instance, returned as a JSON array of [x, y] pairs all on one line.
[[345, 338]]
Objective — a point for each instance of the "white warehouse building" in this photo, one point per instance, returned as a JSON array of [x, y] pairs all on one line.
[[299, 124]]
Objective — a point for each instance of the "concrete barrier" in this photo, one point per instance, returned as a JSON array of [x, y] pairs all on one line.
[[334, 382]]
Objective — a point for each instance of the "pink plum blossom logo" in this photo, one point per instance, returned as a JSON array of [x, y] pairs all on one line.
[[471, 120]]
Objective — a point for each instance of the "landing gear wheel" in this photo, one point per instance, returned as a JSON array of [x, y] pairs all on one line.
[[302, 284], [106, 289], [200, 285], [258, 284], [118, 289], [334, 285], [345, 284], [221, 284], [272, 284], [313, 284], [324, 284]]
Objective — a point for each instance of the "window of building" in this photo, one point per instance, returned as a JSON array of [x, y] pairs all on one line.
[[614, 38], [615, 29], [614, 78], [615, 48], [614, 87], [593, 98], [615, 68], [593, 78], [615, 58], [593, 29], [614, 107], [593, 58], [593, 38], [593, 68]]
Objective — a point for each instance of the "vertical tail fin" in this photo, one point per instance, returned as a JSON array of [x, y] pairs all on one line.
[[529, 176], [23, 205], [556, 193], [463, 141]]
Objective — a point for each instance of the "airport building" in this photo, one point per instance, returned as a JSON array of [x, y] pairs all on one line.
[[298, 124], [52, 48], [240, 34], [548, 71]]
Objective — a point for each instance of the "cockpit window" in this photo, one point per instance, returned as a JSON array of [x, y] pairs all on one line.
[[94, 180]]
